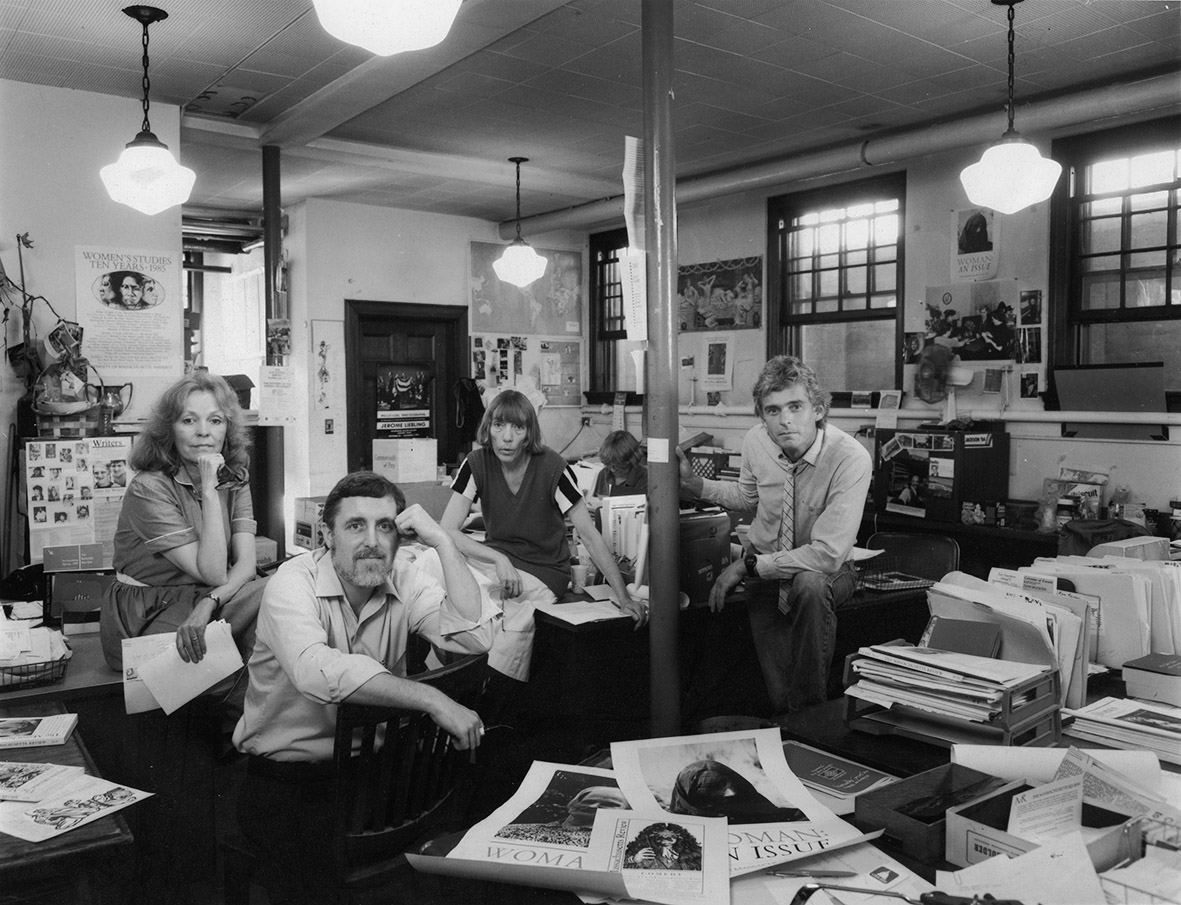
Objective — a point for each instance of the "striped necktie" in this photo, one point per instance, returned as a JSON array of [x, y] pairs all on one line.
[[787, 529]]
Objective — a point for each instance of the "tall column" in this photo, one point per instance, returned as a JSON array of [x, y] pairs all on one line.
[[270, 508], [661, 424]]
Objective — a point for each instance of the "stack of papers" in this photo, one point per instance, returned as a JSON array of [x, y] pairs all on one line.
[[940, 682], [1130, 724]]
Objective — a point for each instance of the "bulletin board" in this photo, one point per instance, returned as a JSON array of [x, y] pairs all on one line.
[[550, 365]]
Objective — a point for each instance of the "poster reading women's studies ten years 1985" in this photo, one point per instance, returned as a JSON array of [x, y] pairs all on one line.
[[131, 310]]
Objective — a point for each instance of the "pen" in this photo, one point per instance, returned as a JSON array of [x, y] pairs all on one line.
[[811, 873]]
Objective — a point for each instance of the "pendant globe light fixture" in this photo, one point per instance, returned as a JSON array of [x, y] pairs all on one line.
[[1011, 175], [520, 264], [386, 27], [146, 176]]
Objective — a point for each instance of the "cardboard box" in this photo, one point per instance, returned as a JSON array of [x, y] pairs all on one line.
[[407, 459], [308, 510], [912, 811], [976, 831]]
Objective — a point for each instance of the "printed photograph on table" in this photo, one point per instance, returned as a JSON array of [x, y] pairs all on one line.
[[720, 295], [550, 305], [564, 812]]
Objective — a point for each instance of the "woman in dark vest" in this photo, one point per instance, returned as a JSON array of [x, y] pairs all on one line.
[[526, 493]]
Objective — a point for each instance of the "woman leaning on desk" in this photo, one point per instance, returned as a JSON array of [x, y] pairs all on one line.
[[184, 546], [526, 492]]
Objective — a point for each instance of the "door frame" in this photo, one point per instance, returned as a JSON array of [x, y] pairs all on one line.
[[357, 310]]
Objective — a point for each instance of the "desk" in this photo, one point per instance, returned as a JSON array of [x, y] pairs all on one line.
[[27, 868], [87, 676]]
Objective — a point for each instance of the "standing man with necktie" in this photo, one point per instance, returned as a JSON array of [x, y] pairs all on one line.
[[807, 482]]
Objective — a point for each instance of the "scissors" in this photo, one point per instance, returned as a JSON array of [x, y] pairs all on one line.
[[927, 898]]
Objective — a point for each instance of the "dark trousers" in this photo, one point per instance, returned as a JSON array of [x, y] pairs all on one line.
[[286, 812], [795, 648]]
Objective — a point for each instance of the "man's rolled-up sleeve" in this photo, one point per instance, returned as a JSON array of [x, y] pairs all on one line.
[[434, 617], [290, 626]]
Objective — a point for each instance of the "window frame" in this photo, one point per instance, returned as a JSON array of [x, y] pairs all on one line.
[[1068, 318], [781, 325], [603, 341]]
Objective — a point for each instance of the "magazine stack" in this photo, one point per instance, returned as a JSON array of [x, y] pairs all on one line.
[[947, 698], [1130, 724]]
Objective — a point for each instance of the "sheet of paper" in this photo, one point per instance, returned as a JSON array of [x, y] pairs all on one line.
[[1047, 812], [1056, 874], [174, 683], [83, 801], [136, 652], [579, 612], [1039, 765]]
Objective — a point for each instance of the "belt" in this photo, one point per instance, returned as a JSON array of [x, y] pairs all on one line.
[[292, 771]]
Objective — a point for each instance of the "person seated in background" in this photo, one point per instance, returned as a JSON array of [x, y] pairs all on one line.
[[184, 545], [624, 471], [526, 492], [333, 627], [798, 571]]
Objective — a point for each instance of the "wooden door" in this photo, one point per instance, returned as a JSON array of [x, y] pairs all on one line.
[[381, 337]]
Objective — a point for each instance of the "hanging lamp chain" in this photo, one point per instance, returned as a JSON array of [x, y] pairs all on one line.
[[518, 201], [1012, 58], [147, 83]]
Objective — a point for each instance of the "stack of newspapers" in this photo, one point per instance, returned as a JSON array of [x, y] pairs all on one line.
[[942, 683], [1130, 724]]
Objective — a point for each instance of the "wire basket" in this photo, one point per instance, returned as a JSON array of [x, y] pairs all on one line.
[[892, 573], [1165, 836], [30, 675]]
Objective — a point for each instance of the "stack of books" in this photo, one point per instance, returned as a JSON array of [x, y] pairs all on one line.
[[1135, 725], [1155, 677]]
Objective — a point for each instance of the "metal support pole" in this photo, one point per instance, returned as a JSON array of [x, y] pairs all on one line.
[[271, 506], [661, 426]]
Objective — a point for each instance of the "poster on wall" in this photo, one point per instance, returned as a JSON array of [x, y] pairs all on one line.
[[547, 369], [131, 308], [551, 305], [328, 389], [74, 491], [719, 363], [975, 244], [977, 321], [721, 295], [403, 401]]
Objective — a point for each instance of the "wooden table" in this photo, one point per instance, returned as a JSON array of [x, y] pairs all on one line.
[[87, 676], [30, 869]]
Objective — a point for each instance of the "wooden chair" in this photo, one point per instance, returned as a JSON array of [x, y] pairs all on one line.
[[389, 791]]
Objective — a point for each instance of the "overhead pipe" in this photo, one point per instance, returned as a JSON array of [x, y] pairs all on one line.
[[1140, 98], [661, 424]]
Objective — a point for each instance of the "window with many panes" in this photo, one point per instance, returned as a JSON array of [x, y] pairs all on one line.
[[606, 307], [835, 271], [1117, 256]]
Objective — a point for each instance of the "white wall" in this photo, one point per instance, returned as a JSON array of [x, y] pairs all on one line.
[[736, 226], [339, 251], [53, 142]]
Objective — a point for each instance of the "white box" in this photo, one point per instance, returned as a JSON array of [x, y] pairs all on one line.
[[407, 460], [977, 831], [1147, 548], [308, 510]]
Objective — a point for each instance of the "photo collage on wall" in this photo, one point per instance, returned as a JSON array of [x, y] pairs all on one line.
[[546, 369]]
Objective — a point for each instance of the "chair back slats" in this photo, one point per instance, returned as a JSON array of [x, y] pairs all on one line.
[[395, 769]]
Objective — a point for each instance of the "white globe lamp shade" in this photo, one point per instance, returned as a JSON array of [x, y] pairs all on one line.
[[519, 265], [147, 177], [386, 27], [1010, 176]]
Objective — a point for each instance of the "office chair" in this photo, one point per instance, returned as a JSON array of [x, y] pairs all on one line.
[[389, 791]]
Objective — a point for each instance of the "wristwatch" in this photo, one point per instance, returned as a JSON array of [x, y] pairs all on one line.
[[216, 600], [752, 570]]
